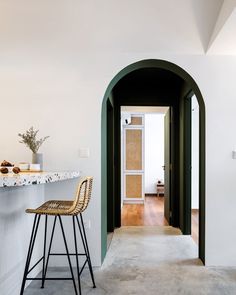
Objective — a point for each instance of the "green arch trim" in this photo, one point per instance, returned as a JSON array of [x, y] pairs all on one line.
[[166, 65]]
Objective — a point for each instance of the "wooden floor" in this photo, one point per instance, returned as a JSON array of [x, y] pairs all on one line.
[[195, 218], [152, 213]]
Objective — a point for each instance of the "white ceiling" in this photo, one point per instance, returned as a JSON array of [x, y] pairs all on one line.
[[223, 39], [62, 27]]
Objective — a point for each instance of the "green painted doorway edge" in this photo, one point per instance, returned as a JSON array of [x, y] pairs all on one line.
[[165, 65]]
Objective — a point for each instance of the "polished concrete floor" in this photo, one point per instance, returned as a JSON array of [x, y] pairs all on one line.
[[149, 261]]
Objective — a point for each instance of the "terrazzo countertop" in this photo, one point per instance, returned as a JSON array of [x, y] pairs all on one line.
[[29, 178]]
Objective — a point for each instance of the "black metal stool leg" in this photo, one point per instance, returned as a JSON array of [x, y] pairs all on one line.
[[68, 255], [34, 238], [49, 250], [87, 249], [82, 237], [76, 254], [30, 251], [44, 250]]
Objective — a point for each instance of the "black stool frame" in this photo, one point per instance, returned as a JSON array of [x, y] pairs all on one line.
[[45, 258]]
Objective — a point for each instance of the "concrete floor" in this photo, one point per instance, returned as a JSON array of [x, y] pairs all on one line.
[[148, 261]]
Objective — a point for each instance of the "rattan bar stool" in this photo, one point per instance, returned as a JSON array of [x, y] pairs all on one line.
[[59, 208]]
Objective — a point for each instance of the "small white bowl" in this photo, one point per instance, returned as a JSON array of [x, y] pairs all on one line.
[[24, 166], [35, 167]]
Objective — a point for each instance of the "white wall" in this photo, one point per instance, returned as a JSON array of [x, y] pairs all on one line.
[[57, 59], [195, 153], [154, 151]]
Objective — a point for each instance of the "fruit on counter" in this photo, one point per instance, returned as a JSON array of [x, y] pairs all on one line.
[[6, 164], [4, 170], [16, 170]]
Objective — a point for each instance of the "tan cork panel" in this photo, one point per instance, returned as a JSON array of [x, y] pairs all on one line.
[[133, 186], [133, 149], [136, 121]]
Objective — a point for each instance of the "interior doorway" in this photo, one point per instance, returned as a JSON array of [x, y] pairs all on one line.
[[154, 83], [195, 169], [142, 166]]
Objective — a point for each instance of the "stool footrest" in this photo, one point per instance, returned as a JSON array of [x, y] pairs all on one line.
[[57, 254], [49, 279], [35, 265], [71, 254], [82, 268]]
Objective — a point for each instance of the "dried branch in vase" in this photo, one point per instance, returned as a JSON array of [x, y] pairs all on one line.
[[30, 140]]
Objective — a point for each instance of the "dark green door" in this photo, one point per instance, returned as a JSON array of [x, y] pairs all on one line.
[[110, 168], [167, 173], [187, 164]]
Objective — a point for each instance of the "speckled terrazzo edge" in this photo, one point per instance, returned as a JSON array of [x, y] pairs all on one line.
[[23, 179]]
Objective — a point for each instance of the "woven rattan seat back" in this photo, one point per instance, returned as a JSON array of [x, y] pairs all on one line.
[[88, 192], [83, 196]]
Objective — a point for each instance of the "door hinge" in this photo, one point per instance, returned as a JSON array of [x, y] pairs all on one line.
[[170, 214], [170, 166]]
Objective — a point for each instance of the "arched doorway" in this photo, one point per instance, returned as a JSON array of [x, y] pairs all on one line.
[[189, 87]]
